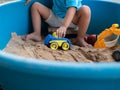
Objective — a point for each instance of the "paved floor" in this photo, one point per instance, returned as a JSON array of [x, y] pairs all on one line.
[[116, 0], [2, 1]]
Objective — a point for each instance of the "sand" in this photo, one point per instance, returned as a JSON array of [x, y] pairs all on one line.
[[38, 50]]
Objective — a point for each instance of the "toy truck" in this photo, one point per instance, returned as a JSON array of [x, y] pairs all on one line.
[[55, 43]]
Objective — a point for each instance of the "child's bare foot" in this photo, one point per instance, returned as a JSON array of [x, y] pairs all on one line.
[[32, 36], [81, 42]]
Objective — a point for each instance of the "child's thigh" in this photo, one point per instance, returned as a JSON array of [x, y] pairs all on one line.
[[54, 20]]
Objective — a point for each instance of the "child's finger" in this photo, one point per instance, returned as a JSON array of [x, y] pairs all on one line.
[[59, 34], [64, 34]]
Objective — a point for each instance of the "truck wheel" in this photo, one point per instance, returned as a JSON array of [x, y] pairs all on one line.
[[54, 46], [65, 46]]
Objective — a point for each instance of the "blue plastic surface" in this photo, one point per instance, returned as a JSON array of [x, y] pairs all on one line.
[[19, 73], [50, 38]]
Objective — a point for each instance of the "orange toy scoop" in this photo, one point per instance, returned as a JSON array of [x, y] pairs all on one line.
[[100, 43]]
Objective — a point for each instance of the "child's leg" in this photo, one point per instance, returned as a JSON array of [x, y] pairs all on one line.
[[82, 19], [38, 11]]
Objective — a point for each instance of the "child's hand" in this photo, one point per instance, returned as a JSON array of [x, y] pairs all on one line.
[[61, 31], [27, 1]]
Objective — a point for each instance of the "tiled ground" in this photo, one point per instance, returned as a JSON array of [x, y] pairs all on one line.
[[2, 1], [117, 0]]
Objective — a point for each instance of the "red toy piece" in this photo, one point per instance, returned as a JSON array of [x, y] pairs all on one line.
[[91, 39]]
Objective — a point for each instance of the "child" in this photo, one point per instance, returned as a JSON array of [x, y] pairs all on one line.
[[64, 14]]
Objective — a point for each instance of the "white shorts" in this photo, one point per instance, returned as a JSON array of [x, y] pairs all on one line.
[[55, 21]]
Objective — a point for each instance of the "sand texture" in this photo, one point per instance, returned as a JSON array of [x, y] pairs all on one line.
[[30, 49]]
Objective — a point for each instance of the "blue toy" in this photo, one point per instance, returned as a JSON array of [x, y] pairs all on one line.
[[54, 42]]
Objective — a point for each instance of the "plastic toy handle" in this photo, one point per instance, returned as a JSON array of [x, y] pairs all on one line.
[[54, 34]]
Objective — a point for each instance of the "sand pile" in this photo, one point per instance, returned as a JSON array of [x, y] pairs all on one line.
[[30, 49]]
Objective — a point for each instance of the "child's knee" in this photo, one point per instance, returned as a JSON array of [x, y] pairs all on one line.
[[85, 10], [35, 5]]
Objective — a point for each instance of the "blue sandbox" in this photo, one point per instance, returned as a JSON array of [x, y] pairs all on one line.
[[19, 73]]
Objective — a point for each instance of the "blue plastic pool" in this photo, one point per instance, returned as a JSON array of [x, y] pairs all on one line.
[[19, 73]]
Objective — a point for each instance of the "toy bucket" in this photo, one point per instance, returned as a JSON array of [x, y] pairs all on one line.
[[111, 41]]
